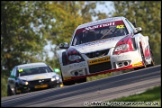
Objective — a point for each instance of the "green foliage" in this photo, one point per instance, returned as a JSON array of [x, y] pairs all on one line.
[[66, 16], [148, 16], [3, 86], [19, 42], [27, 26], [152, 95], [56, 21]]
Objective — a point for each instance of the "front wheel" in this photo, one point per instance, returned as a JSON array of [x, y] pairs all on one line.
[[9, 91], [81, 80], [15, 89], [143, 60], [152, 59], [69, 82]]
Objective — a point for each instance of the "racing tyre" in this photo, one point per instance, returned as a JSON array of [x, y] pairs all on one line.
[[81, 80], [143, 60], [69, 82], [15, 89], [54, 86], [152, 59], [9, 91], [14, 92]]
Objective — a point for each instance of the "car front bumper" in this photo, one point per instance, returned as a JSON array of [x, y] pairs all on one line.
[[39, 84], [132, 58], [108, 63]]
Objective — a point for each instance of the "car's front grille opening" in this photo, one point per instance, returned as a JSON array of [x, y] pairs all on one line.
[[100, 67], [97, 53], [40, 81]]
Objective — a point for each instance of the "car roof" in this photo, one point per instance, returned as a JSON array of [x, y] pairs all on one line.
[[111, 19], [31, 64]]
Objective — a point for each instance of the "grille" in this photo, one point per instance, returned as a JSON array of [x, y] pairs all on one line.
[[99, 67], [98, 53], [40, 81]]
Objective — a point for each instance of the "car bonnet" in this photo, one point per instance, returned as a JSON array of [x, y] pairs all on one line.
[[97, 45], [38, 76]]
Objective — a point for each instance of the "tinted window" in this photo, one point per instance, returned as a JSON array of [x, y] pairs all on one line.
[[100, 31], [34, 70], [13, 72]]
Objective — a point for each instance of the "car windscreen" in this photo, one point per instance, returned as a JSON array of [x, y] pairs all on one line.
[[98, 32], [30, 70]]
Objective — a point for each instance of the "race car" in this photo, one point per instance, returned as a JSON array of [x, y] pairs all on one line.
[[32, 76], [102, 46]]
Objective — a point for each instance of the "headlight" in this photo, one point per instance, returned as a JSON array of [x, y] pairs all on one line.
[[74, 57], [24, 82], [53, 79], [124, 46], [121, 47], [56, 77]]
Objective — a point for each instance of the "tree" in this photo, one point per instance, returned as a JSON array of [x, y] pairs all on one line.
[[66, 16], [148, 16], [27, 26], [20, 43]]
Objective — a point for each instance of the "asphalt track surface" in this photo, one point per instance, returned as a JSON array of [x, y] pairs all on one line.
[[83, 94]]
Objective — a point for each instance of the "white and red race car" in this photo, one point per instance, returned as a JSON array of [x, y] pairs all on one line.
[[103, 46]]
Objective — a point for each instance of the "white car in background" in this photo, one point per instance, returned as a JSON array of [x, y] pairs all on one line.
[[103, 46], [32, 76]]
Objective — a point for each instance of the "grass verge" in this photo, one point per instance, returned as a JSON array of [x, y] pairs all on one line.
[[149, 98]]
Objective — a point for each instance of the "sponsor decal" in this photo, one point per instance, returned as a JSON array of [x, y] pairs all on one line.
[[100, 26], [137, 64], [20, 70], [39, 77], [99, 60], [120, 26], [41, 86]]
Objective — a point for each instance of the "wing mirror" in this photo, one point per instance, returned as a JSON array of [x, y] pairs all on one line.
[[64, 45]]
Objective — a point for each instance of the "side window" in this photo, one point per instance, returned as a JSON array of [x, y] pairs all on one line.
[[131, 27], [13, 73]]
